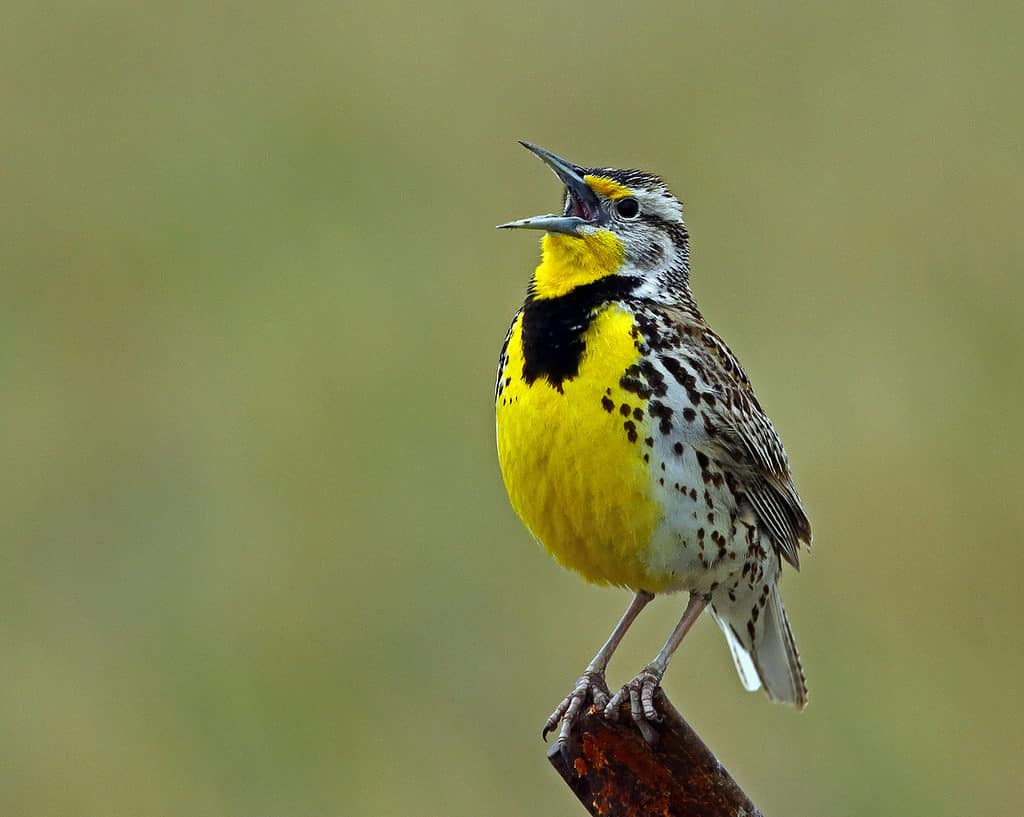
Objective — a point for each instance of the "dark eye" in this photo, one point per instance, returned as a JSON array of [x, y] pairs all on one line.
[[627, 208]]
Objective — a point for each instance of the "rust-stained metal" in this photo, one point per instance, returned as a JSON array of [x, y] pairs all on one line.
[[616, 773]]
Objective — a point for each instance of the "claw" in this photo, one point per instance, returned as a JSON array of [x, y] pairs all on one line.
[[555, 717], [649, 734], [563, 749], [563, 739]]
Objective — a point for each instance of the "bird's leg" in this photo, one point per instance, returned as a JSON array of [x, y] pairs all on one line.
[[640, 690], [591, 683]]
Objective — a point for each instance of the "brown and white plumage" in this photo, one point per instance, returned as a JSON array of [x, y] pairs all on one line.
[[737, 431], [699, 376]]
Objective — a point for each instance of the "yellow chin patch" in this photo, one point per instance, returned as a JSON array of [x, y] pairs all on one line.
[[570, 261], [606, 187]]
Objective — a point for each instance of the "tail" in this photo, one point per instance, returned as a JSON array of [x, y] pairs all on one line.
[[770, 658]]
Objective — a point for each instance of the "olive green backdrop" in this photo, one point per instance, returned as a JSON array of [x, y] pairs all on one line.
[[256, 553]]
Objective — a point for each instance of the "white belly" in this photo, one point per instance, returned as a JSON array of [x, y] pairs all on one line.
[[702, 540]]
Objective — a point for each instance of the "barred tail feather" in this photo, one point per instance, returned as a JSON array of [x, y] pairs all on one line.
[[777, 658], [772, 660]]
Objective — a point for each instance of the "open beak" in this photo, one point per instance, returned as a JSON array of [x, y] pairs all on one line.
[[583, 205]]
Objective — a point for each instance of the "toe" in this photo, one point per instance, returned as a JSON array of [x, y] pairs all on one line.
[[589, 687], [647, 699], [635, 707], [611, 710], [575, 705]]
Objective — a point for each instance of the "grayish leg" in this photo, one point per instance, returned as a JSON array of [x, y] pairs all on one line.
[[640, 691], [591, 683]]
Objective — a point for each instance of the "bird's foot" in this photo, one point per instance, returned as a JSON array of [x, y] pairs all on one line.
[[640, 693], [590, 686]]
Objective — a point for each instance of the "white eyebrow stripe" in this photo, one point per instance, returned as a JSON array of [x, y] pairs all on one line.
[[655, 203]]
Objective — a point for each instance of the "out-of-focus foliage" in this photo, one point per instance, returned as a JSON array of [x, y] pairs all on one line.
[[257, 557]]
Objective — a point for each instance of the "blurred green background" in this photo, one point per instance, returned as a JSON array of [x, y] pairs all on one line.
[[257, 556]]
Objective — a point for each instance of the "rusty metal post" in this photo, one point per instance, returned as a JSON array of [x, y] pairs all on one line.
[[615, 773]]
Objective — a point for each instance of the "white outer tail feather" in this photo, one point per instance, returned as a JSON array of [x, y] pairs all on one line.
[[744, 663]]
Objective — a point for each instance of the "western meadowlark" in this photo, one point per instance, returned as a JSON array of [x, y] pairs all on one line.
[[632, 445]]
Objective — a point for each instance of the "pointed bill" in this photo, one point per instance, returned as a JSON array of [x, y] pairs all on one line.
[[552, 223], [583, 208]]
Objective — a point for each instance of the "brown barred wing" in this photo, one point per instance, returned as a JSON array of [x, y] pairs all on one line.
[[738, 433], [747, 440]]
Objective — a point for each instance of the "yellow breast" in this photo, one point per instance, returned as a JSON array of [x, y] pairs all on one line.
[[573, 459]]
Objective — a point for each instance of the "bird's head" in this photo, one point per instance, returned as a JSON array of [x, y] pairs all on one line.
[[613, 222]]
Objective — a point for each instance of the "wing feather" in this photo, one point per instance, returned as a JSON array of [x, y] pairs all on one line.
[[741, 436], [749, 442]]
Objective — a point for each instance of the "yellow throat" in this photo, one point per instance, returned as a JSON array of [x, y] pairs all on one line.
[[568, 262]]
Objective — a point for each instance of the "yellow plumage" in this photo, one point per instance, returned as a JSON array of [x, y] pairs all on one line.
[[573, 476], [567, 263]]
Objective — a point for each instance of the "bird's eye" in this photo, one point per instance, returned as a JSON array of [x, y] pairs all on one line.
[[627, 208]]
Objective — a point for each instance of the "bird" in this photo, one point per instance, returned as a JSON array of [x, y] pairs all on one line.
[[632, 445]]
